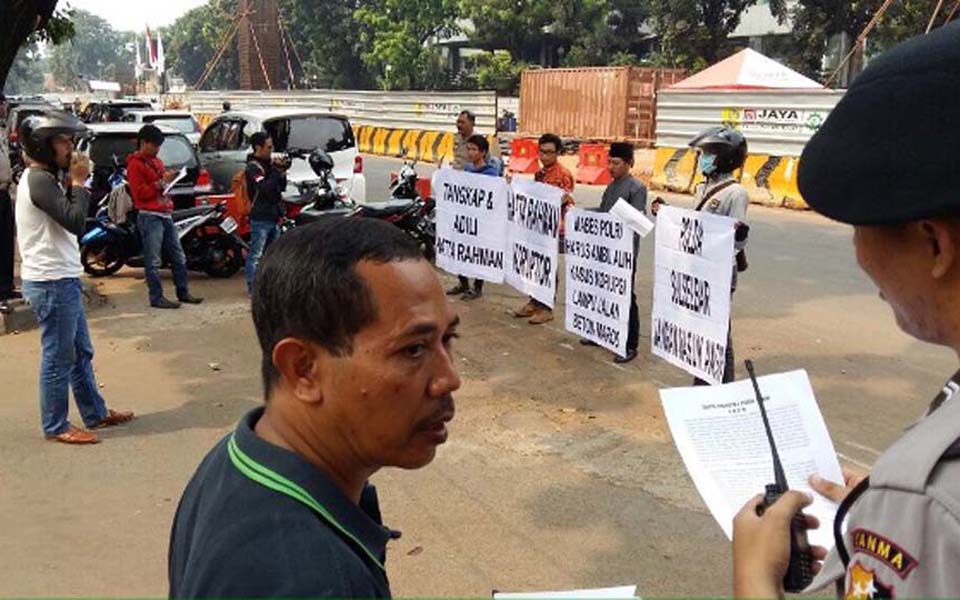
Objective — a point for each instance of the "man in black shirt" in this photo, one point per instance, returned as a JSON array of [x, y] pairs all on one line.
[[265, 185], [355, 331]]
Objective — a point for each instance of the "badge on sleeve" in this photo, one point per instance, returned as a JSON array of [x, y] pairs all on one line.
[[864, 584], [882, 549]]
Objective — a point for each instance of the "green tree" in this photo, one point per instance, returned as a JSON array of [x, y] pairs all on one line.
[[497, 71], [194, 39], [695, 33], [816, 22], [95, 50], [30, 20], [26, 74], [512, 25], [326, 38], [394, 36]]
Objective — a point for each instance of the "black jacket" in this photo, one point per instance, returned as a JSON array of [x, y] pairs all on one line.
[[265, 185]]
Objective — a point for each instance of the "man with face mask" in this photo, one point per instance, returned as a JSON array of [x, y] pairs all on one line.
[[358, 374], [50, 216], [723, 150]]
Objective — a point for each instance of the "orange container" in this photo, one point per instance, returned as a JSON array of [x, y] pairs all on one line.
[[594, 164], [524, 155]]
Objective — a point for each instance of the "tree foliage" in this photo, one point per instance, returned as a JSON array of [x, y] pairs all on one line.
[[816, 22], [27, 21], [26, 73], [194, 39], [96, 51], [326, 37], [394, 36], [695, 33]]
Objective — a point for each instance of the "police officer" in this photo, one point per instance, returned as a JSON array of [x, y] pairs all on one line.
[[885, 162], [722, 150]]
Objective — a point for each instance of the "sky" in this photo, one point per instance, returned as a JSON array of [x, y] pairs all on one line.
[[133, 15]]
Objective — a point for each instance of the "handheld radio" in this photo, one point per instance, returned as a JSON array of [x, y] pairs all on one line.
[[800, 570]]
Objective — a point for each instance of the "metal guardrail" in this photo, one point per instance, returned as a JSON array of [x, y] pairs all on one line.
[[433, 111], [776, 123]]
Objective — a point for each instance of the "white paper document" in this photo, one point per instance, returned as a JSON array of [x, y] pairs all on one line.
[[180, 175], [633, 218], [625, 592], [719, 433]]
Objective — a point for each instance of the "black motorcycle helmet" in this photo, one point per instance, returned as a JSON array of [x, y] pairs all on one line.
[[726, 143], [37, 133], [320, 162]]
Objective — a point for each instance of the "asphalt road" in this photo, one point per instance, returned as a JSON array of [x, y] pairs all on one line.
[[559, 472]]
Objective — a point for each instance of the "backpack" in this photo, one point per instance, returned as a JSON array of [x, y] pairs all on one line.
[[238, 187]]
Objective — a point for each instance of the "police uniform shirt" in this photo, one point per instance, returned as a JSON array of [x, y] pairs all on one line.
[[902, 534], [251, 524]]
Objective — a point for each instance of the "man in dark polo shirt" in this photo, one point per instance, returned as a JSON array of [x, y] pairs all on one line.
[[355, 331]]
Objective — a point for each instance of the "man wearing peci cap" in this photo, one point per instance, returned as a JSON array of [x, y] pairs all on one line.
[[884, 162], [626, 186]]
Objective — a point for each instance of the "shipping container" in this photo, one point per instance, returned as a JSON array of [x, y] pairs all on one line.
[[594, 103]]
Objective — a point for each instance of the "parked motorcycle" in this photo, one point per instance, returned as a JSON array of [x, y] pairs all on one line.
[[207, 235], [406, 209], [319, 199]]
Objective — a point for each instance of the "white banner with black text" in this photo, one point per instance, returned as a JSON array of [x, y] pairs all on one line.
[[599, 277], [471, 224], [694, 254], [533, 237]]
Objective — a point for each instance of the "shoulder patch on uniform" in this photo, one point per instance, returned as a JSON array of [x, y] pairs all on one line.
[[882, 549], [864, 585], [714, 204]]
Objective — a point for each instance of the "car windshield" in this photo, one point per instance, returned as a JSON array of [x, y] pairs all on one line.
[[176, 151], [180, 123], [308, 133]]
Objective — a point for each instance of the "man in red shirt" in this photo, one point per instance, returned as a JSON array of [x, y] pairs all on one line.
[[557, 175], [147, 179]]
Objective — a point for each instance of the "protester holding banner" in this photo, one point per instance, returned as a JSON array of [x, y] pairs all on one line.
[[551, 173], [626, 186], [477, 150], [897, 532], [723, 150]]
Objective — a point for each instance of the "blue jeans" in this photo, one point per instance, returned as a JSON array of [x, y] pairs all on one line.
[[159, 238], [262, 234], [67, 354]]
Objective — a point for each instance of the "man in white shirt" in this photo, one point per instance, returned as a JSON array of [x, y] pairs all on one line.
[[49, 221]]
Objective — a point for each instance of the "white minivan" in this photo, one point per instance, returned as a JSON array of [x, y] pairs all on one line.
[[225, 145]]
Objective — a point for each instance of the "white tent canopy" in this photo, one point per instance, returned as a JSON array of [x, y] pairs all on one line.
[[747, 69]]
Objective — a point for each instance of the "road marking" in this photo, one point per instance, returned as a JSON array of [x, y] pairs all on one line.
[[862, 447], [854, 461]]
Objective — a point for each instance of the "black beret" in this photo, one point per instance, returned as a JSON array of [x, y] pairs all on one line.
[[888, 153], [622, 150]]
